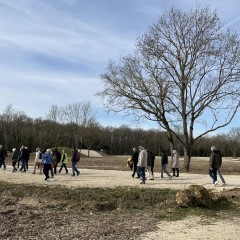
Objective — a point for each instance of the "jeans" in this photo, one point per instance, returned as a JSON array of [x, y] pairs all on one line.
[[74, 169], [26, 164], [213, 174], [51, 171], [141, 172], [23, 165], [164, 169], [219, 172]]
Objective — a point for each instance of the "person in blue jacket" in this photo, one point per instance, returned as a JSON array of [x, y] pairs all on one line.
[[47, 160]]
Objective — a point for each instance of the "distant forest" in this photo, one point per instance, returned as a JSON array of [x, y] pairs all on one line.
[[17, 129]]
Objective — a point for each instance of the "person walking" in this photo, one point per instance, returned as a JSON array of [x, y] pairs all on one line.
[[3, 155], [46, 159], [219, 170], [75, 160], [24, 155], [214, 164], [19, 157], [14, 159], [54, 162], [135, 162], [150, 163], [64, 161], [58, 156], [142, 163], [175, 164], [27, 157], [164, 163], [38, 161]]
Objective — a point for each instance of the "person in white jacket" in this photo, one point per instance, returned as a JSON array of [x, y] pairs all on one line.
[[38, 161], [175, 165], [142, 163]]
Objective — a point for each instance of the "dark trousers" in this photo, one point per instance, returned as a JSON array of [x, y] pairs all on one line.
[[19, 160], [46, 168], [23, 168], [63, 165], [135, 170], [55, 169], [26, 163], [74, 169], [177, 170], [151, 169], [2, 162], [14, 162]]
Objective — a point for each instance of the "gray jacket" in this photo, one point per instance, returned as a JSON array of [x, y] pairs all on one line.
[[142, 158]]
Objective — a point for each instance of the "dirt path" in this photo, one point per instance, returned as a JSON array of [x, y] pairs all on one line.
[[113, 178], [187, 229]]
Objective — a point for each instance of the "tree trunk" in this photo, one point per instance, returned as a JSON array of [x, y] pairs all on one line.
[[187, 158]]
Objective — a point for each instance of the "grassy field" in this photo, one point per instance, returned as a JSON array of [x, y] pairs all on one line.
[[55, 212]]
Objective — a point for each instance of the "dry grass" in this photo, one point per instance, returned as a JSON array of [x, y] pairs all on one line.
[[30, 212]]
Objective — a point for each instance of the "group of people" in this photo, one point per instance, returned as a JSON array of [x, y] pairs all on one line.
[[143, 159], [46, 160]]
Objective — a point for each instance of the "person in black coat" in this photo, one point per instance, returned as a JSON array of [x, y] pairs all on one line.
[[24, 156], [135, 162], [164, 163], [3, 155], [150, 163]]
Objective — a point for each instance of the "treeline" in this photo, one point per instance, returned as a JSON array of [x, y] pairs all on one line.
[[16, 129]]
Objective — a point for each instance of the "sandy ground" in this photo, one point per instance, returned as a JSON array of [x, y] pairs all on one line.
[[187, 229], [113, 178]]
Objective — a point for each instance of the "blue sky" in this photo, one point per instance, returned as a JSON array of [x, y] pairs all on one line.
[[53, 51]]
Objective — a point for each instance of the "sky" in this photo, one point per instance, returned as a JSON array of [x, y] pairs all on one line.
[[52, 52]]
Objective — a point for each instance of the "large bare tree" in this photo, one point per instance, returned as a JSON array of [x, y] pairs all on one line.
[[183, 73]]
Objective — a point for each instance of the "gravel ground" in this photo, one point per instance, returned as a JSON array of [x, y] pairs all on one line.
[[187, 229], [114, 178]]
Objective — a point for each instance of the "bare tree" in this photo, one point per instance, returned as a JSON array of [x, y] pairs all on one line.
[[234, 139], [184, 72], [55, 114], [79, 113]]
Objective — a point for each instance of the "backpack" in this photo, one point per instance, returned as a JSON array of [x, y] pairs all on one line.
[[77, 157]]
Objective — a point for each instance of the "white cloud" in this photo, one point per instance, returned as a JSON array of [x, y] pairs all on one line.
[[52, 52]]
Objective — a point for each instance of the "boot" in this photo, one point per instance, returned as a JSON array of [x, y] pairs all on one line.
[[173, 170]]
